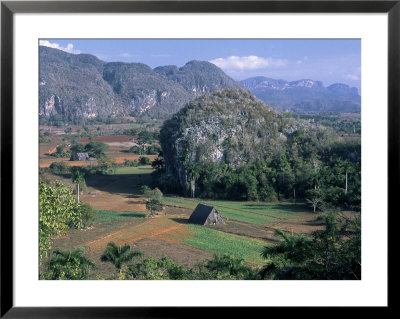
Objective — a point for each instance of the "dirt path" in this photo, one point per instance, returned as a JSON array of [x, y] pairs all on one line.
[[155, 227]]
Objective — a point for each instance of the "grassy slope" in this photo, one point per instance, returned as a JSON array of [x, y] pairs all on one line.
[[222, 243]]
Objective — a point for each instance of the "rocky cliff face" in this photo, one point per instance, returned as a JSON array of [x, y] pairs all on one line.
[[229, 126], [72, 87], [304, 95], [79, 87]]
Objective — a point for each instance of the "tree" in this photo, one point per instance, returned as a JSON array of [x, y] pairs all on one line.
[[140, 150], [153, 202], [118, 255], [193, 172], [87, 213], [158, 164], [77, 148], [58, 211], [153, 206], [78, 178], [314, 198], [229, 267], [156, 269], [105, 163], [70, 265], [144, 161], [324, 256], [145, 137], [96, 149], [59, 168]]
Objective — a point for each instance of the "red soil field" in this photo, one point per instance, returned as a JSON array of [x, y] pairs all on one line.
[[109, 139]]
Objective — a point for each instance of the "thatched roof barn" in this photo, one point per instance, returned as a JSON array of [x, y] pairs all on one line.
[[205, 215]]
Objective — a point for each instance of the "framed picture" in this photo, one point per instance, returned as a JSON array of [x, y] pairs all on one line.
[[35, 34]]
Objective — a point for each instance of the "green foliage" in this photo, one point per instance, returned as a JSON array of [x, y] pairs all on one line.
[[153, 206], [133, 163], [77, 148], [96, 149], [227, 267], [324, 256], [156, 269], [59, 168], [88, 215], [78, 177], [144, 161], [68, 265], [60, 152], [119, 255], [153, 150], [158, 164], [145, 189], [152, 194], [58, 212], [153, 202], [146, 137], [43, 139], [220, 267], [140, 150]]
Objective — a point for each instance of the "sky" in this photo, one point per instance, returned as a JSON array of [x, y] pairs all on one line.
[[327, 60]]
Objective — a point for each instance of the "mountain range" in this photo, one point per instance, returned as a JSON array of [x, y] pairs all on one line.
[[77, 87], [305, 95], [73, 87]]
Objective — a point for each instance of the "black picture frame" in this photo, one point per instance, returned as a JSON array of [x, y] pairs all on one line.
[[9, 8]]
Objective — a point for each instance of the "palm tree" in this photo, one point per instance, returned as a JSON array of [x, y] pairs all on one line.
[[119, 255], [193, 173], [70, 265]]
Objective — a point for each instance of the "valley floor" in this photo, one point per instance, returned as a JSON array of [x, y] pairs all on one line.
[[122, 219]]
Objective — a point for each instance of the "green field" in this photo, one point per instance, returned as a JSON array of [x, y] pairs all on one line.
[[130, 170], [248, 212], [107, 215], [218, 242]]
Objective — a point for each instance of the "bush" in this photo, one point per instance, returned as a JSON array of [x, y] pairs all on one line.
[[68, 265], [59, 168], [88, 214], [137, 150], [153, 150], [144, 161], [133, 163]]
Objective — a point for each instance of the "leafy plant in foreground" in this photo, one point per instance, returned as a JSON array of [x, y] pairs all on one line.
[[68, 265], [119, 255]]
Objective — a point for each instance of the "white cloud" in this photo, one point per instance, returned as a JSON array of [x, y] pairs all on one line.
[[126, 55], [69, 48], [353, 77], [251, 62]]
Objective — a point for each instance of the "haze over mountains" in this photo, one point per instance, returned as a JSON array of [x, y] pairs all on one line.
[[304, 95], [76, 87]]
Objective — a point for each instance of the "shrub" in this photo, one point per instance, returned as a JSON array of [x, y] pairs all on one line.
[[59, 168], [144, 161]]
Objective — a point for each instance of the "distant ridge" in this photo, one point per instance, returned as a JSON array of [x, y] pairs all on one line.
[[304, 95]]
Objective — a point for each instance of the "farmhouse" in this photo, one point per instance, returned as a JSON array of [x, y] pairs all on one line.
[[206, 215], [79, 157]]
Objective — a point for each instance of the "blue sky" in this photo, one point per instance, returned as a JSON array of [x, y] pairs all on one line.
[[328, 60]]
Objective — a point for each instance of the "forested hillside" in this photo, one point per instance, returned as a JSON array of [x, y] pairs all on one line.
[[230, 145]]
